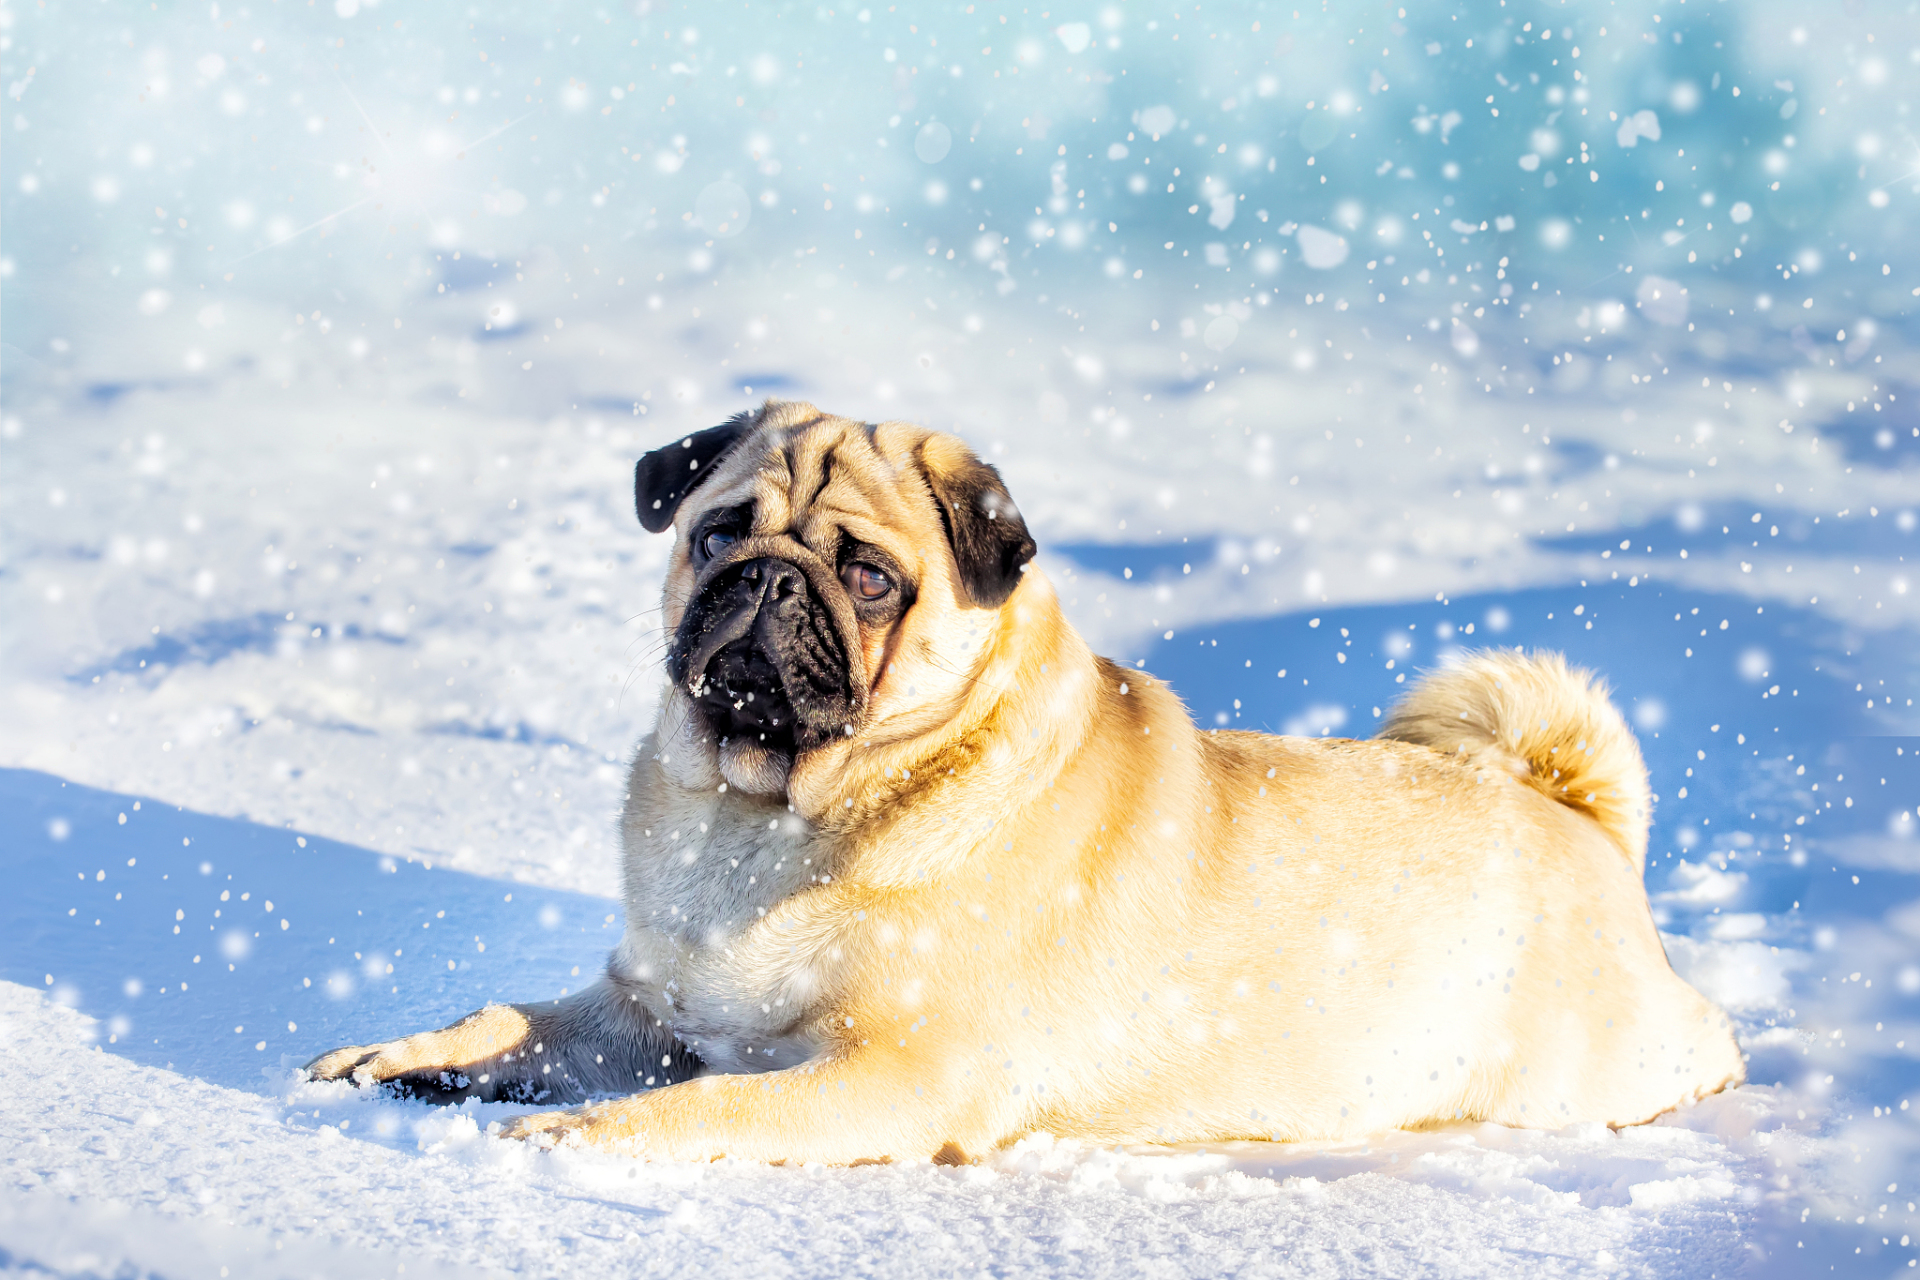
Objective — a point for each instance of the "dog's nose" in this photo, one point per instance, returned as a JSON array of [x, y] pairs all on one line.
[[785, 580], [777, 579]]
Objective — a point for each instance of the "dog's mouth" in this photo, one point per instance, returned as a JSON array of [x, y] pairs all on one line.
[[762, 658], [743, 697]]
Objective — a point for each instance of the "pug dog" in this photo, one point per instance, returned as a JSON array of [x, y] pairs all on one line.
[[910, 872]]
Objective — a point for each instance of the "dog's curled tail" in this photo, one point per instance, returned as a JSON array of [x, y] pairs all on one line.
[[1547, 723]]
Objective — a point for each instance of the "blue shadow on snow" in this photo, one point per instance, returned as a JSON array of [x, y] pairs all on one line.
[[195, 939]]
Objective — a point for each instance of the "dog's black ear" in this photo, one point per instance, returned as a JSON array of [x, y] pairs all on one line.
[[666, 476], [990, 541]]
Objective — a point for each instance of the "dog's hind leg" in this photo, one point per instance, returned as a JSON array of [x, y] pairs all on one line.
[[600, 1040]]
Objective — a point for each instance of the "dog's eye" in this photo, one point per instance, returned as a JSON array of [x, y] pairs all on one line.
[[717, 541], [865, 581]]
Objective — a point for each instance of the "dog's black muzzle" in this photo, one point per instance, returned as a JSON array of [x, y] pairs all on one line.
[[759, 654]]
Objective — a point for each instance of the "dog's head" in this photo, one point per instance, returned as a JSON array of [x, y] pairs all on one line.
[[830, 577]]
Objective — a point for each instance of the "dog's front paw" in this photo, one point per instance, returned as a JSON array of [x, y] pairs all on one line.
[[483, 1055], [607, 1125], [546, 1129], [344, 1064], [408, 1068], [369, 1064]]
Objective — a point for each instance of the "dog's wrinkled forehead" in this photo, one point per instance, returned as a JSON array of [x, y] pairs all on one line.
[[795, 473], [815, 475], [820, 479]]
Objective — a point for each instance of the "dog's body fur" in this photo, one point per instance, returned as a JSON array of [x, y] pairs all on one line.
[[1026, 893]]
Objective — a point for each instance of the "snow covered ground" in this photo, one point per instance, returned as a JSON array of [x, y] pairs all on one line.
[[327, 623]]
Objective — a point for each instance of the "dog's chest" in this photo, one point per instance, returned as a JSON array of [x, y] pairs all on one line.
[[706, 937]]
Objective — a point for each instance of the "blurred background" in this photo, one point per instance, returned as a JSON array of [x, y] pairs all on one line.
[[1316, 344]]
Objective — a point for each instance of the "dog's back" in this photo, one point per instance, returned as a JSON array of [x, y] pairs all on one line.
[[1447, 922]]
